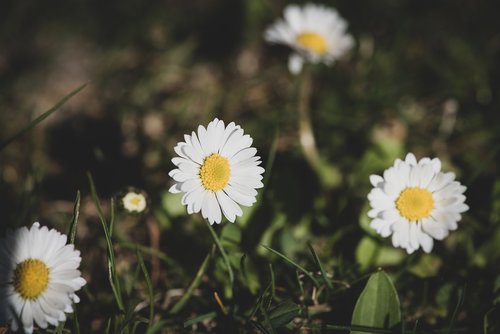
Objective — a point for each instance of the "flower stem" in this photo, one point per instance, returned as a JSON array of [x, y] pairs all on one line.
[[306, 133], [329, 175], [222, 251]]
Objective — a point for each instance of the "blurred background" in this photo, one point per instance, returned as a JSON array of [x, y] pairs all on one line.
[[423, 77]]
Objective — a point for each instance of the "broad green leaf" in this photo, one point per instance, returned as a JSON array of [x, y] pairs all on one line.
[[283, 313], [378, 304]]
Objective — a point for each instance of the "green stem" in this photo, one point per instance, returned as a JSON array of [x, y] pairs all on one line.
[[222, 251]]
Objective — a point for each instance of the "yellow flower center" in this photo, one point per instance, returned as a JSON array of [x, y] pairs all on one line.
[[31, 278], [312, 41], [415, 203], [214, 173], [135, 200]]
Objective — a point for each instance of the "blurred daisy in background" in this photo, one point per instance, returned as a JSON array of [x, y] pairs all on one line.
[[416, 203], [316, 33], [217, 169], [134, 201], [38, 277]]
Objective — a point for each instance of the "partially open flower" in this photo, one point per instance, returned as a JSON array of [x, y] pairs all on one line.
[[134, 201], [416, 203]]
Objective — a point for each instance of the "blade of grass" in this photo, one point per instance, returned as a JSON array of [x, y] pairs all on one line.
[[194, 284], [40, 118], [267, 320], [296, 265], [74, 219], [320, 266], [259, 327], [242, 267], [222, 251], [273, 281], [301, 287], [359, 328], [113, 279], [200, 319], [149, 287], [76, 323], [461, 299], [271, 156], [259, 301]]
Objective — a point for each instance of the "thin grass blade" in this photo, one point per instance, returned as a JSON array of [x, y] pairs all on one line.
[[40, 118]]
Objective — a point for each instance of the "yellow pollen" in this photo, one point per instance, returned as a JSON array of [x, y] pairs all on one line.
[[31, 278], [214, 173], [313, 42], [415, 203], [136, 200]]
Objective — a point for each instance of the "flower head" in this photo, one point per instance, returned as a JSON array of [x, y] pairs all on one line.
[[316, 33], [217, 169], [416, 203], [134, 201], [38, 277]]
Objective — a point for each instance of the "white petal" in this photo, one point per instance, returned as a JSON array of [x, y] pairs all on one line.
[[230, 209], [375, 180]]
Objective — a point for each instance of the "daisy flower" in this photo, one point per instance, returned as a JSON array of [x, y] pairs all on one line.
[[416, 203], [316, 33], [38, 277], [217, 169], [134, 201]]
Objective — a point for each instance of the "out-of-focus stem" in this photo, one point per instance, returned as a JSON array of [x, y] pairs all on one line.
[[306, 133]]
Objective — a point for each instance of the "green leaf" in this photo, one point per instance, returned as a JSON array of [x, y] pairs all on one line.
[[283, 313], [378, 304], [40, 118]]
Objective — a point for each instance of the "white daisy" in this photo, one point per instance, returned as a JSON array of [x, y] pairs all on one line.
[[38, 277], [416, 203], [316, 33], [217, 169], [134, 202]]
